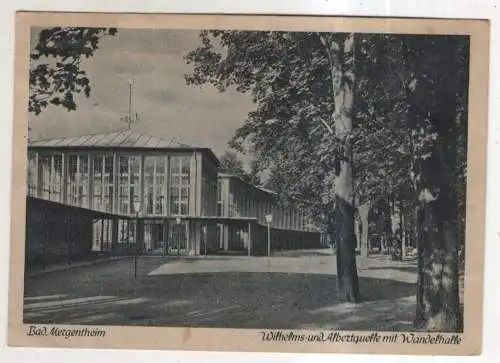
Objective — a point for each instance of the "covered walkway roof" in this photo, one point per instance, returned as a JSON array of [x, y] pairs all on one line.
[[100, 214]]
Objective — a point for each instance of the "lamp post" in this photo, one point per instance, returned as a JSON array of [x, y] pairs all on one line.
[[137, 209], [269, 220], [205, 239], [178, 221]]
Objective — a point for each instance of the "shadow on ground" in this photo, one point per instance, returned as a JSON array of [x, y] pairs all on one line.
[[402, 268], [104, 296], [304, 253]]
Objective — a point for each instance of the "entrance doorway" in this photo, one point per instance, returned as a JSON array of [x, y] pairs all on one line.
[[177, 243], [154, 235]]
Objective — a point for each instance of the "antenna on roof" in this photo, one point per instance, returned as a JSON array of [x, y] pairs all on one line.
[[130, 118]]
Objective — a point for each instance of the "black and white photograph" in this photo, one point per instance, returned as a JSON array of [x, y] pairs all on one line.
[[274, 180]]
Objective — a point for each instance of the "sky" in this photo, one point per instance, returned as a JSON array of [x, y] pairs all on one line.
[[167, 107]]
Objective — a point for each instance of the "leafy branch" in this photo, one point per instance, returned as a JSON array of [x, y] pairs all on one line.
[[55, 73]]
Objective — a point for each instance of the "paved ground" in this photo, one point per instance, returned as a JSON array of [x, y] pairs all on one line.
[[294, 290]]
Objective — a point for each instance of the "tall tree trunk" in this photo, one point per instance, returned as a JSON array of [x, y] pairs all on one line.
[[341, 56], [438, 304], [432, 113], [403, 231], [363, 212], [438, 301], [357, 229], [387, 229], [394, 223], [438, 307]]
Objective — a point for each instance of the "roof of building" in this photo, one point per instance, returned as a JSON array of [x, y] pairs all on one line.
[[234, 176], [259, 188], [124, 139]]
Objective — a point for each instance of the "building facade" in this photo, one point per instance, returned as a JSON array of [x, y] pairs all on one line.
[[238, 198], [120, 171], [168, 196]]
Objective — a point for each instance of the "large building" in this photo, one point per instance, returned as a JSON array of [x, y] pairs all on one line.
[[160, 193], [238, 198]]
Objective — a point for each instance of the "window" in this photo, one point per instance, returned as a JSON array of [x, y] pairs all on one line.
[[179, 184], [219, 198], [215, 189], [103, 183], [209, 192], [154, 184], [128, 179], [102, 231], [78, 180], [241, 203], [126, 233], [246, 207], [253, 211], [236, 201], [231, 204], [51, 166], [32, 174]]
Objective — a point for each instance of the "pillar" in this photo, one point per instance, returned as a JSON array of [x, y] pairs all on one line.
[[140, 235], [166, 239], [249, 239], [115, 205], [39, 176], [114, 234], [64, 178]]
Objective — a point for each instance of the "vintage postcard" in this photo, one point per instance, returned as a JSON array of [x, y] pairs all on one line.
[[249, 183]]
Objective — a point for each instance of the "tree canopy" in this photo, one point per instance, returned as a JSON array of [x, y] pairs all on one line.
[[287, 75], [408, 140], [230, 163], [55, 72]]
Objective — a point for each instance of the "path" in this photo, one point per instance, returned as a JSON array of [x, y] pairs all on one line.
[[295, 290]]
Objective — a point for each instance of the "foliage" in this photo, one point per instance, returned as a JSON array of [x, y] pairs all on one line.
[[231, 164], [253, 176], [287, 76], [55, 72]]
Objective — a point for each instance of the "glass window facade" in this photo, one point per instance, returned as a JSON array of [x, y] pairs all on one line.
[[129, 182], [51, 177], [209, 190], [32, 174], [78, 180], [103, 182], [180, 172], [126, 232], [220, 207], [154, 185], [164, 182]]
